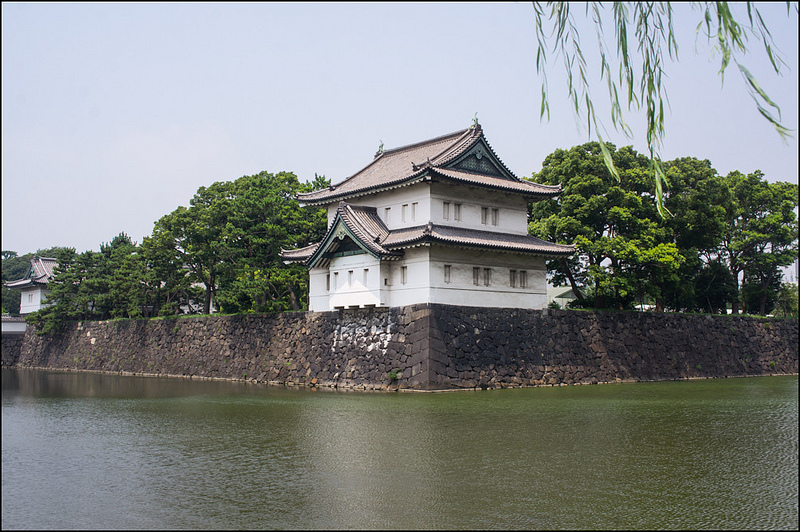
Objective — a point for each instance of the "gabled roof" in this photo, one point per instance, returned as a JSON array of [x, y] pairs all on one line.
[[463, 156], [358, 224], [39, 273]]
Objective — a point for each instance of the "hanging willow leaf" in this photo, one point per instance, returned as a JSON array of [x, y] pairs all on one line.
[[652, 24]]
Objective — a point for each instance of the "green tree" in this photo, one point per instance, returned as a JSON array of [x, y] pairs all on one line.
[[637, 79], [761, 232], [713, 288], [167, 283], [699, 200], [624, 254], [196, 235], [787, 301], [265, 219], [230, 237]]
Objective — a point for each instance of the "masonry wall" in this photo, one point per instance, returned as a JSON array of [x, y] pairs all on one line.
[[424, 346]]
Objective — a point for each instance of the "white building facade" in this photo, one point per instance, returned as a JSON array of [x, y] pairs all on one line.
[[440, 221], [33, 286]]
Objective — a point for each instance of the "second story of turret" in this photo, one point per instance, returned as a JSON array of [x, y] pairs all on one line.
[[447, 204], [452, 180]]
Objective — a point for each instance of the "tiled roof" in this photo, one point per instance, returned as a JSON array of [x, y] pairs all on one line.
[[475, 239], [408, 164], [361, 223], [524, 187], [364, 225], [298, 255], [39, 272]]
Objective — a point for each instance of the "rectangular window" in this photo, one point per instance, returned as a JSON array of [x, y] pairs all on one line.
[[512, 278], [328, 282], [350, 278], [476, 276], [446, 210], [484, 215], [386, 212], [487, 276], [414, 210], [457, 212], [335, 280], [366, 275], [495, 216], [405, 212], [447, 273], [403, 274], [523, 279]]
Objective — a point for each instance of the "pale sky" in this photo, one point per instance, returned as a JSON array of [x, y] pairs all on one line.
[[114, 114]]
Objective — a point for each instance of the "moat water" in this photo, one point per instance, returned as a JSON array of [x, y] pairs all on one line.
[[94, 451]]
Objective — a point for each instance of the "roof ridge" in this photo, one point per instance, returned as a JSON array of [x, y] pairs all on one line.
[[381, 155], [460, 133]]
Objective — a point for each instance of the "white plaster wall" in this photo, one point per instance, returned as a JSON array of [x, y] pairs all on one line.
[[513, 208], [461, 289], [318, 295], [425, 266], [354, 290], [417, 286], [31, 299], [394, 200]]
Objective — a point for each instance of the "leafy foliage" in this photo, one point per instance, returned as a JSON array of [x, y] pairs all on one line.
[[224, 248], [724, 228], [637, 80]]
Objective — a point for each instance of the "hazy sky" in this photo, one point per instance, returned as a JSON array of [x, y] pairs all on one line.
[[114, 114]]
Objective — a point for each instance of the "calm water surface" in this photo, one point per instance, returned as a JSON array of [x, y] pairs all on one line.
[[100, 451]]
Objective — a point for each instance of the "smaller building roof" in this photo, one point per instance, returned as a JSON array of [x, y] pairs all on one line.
[[363, 227], [39, 273]]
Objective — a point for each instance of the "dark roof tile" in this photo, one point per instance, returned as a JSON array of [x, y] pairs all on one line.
[[406, 164]]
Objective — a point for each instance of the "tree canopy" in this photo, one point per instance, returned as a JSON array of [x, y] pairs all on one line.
[[724, 228], [635, 77], [221, 252]]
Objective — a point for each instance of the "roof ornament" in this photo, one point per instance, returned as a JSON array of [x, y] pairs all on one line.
[[474, 121], [380, 149]]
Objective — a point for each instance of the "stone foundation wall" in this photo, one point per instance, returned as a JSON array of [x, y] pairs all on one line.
[[11, 347], [474, 347], [424, 347]]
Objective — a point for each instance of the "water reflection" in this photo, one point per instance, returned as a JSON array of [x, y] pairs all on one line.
[[100, 451]]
